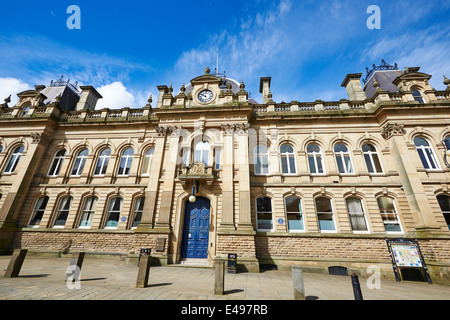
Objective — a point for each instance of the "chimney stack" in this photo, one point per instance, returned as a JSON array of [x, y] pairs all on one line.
[[88, 99], [264, 88], [353, 85]]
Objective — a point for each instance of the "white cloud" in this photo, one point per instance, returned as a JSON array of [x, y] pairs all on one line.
[[116, 96], [12, 86]]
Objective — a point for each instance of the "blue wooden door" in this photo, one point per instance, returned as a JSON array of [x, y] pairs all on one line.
[[196, 229]]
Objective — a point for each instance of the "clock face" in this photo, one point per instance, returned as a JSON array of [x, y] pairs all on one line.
[[205, 96]]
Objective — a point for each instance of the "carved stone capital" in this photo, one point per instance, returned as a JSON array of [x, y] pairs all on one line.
[[41, 138], [392, 129], [242, 128], [227, 129]]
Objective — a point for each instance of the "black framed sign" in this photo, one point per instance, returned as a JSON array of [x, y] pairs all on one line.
[[406, 255]]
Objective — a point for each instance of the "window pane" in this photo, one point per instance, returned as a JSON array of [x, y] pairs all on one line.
[[38, 211], [323, 205], [368, 163], [63, 211], [340, 164], [292, 168], [138, 209], [294, 214], [377, 163], [431, 158], [115, 206], [312, 148], [312, 165], [284, 164], [264, 213], [326, 222], [423, 159], [356, 213], [420, 142]]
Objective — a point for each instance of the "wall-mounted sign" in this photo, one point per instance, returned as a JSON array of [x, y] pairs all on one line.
[[123, 219], [280, 221], [405, 253]]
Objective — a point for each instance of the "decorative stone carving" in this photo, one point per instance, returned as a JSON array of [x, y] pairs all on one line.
[[42, 138], [392, 129], [227, 128], [197, 168]]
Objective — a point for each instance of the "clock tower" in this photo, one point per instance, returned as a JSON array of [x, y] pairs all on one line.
[[205, 90]]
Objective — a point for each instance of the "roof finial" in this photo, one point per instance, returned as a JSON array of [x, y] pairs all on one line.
[[207, 70]]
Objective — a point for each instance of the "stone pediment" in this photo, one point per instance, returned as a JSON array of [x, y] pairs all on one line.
[[206, 78]]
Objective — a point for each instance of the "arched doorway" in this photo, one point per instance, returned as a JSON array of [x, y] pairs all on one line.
[[196, 229]]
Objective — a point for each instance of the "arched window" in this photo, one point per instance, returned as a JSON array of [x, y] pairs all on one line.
[[343, 159], [315, 159], [25, 111], [372, 159], [418, 96], [389, 214], [147, 161], [102, 162], [261, 160], [426, 153], [14, 160], [125, 162], [88, 212], [294, 213], [63, 212], [264, 214], [325, 214], [80, 161], [114, 209], [356, 214], [444, 203], [201, 152], [55, 168], [288, 159], [38, 212], [137, 214]]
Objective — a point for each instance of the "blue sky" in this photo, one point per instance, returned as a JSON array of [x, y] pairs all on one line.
[[125, 49]]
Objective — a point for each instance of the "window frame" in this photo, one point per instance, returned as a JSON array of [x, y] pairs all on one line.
[[314, 155], [36, 210], [206, 149], [444, 213], [300, 212], [58, 166], [370, 154], [81, 160], [288, 156], [363, 214], [104, 163], [422, 149], [333, 218], [14, 159], [264, 212], [63, 208], [128, 163], [342, 156], [137, 210], [89, 211], [148, 157], [258, 158], [419, 98], [395, 213], [109, 211]]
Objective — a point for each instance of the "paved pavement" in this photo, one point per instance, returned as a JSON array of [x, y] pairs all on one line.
[[110, 279]]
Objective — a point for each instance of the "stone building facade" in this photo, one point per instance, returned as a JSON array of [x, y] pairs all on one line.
[[208, 171]]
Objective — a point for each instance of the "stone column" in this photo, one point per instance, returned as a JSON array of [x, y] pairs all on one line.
[[415, 193], [151, 194], [227, 221], [170, 165], [245, 218]]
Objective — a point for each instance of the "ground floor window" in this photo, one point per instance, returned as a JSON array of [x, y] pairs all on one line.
[[63, 212], [389, 214], [38, 211], [138, 209], [264, 214], [356, 214], [88, 212], [294, 213], [444, 203], [325, 214], [114, 209]]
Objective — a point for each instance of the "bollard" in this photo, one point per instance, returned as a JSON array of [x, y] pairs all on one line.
[[144, 271], [356, 287], [76, 263], [299, 288], [219, 284], [15, 264]]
